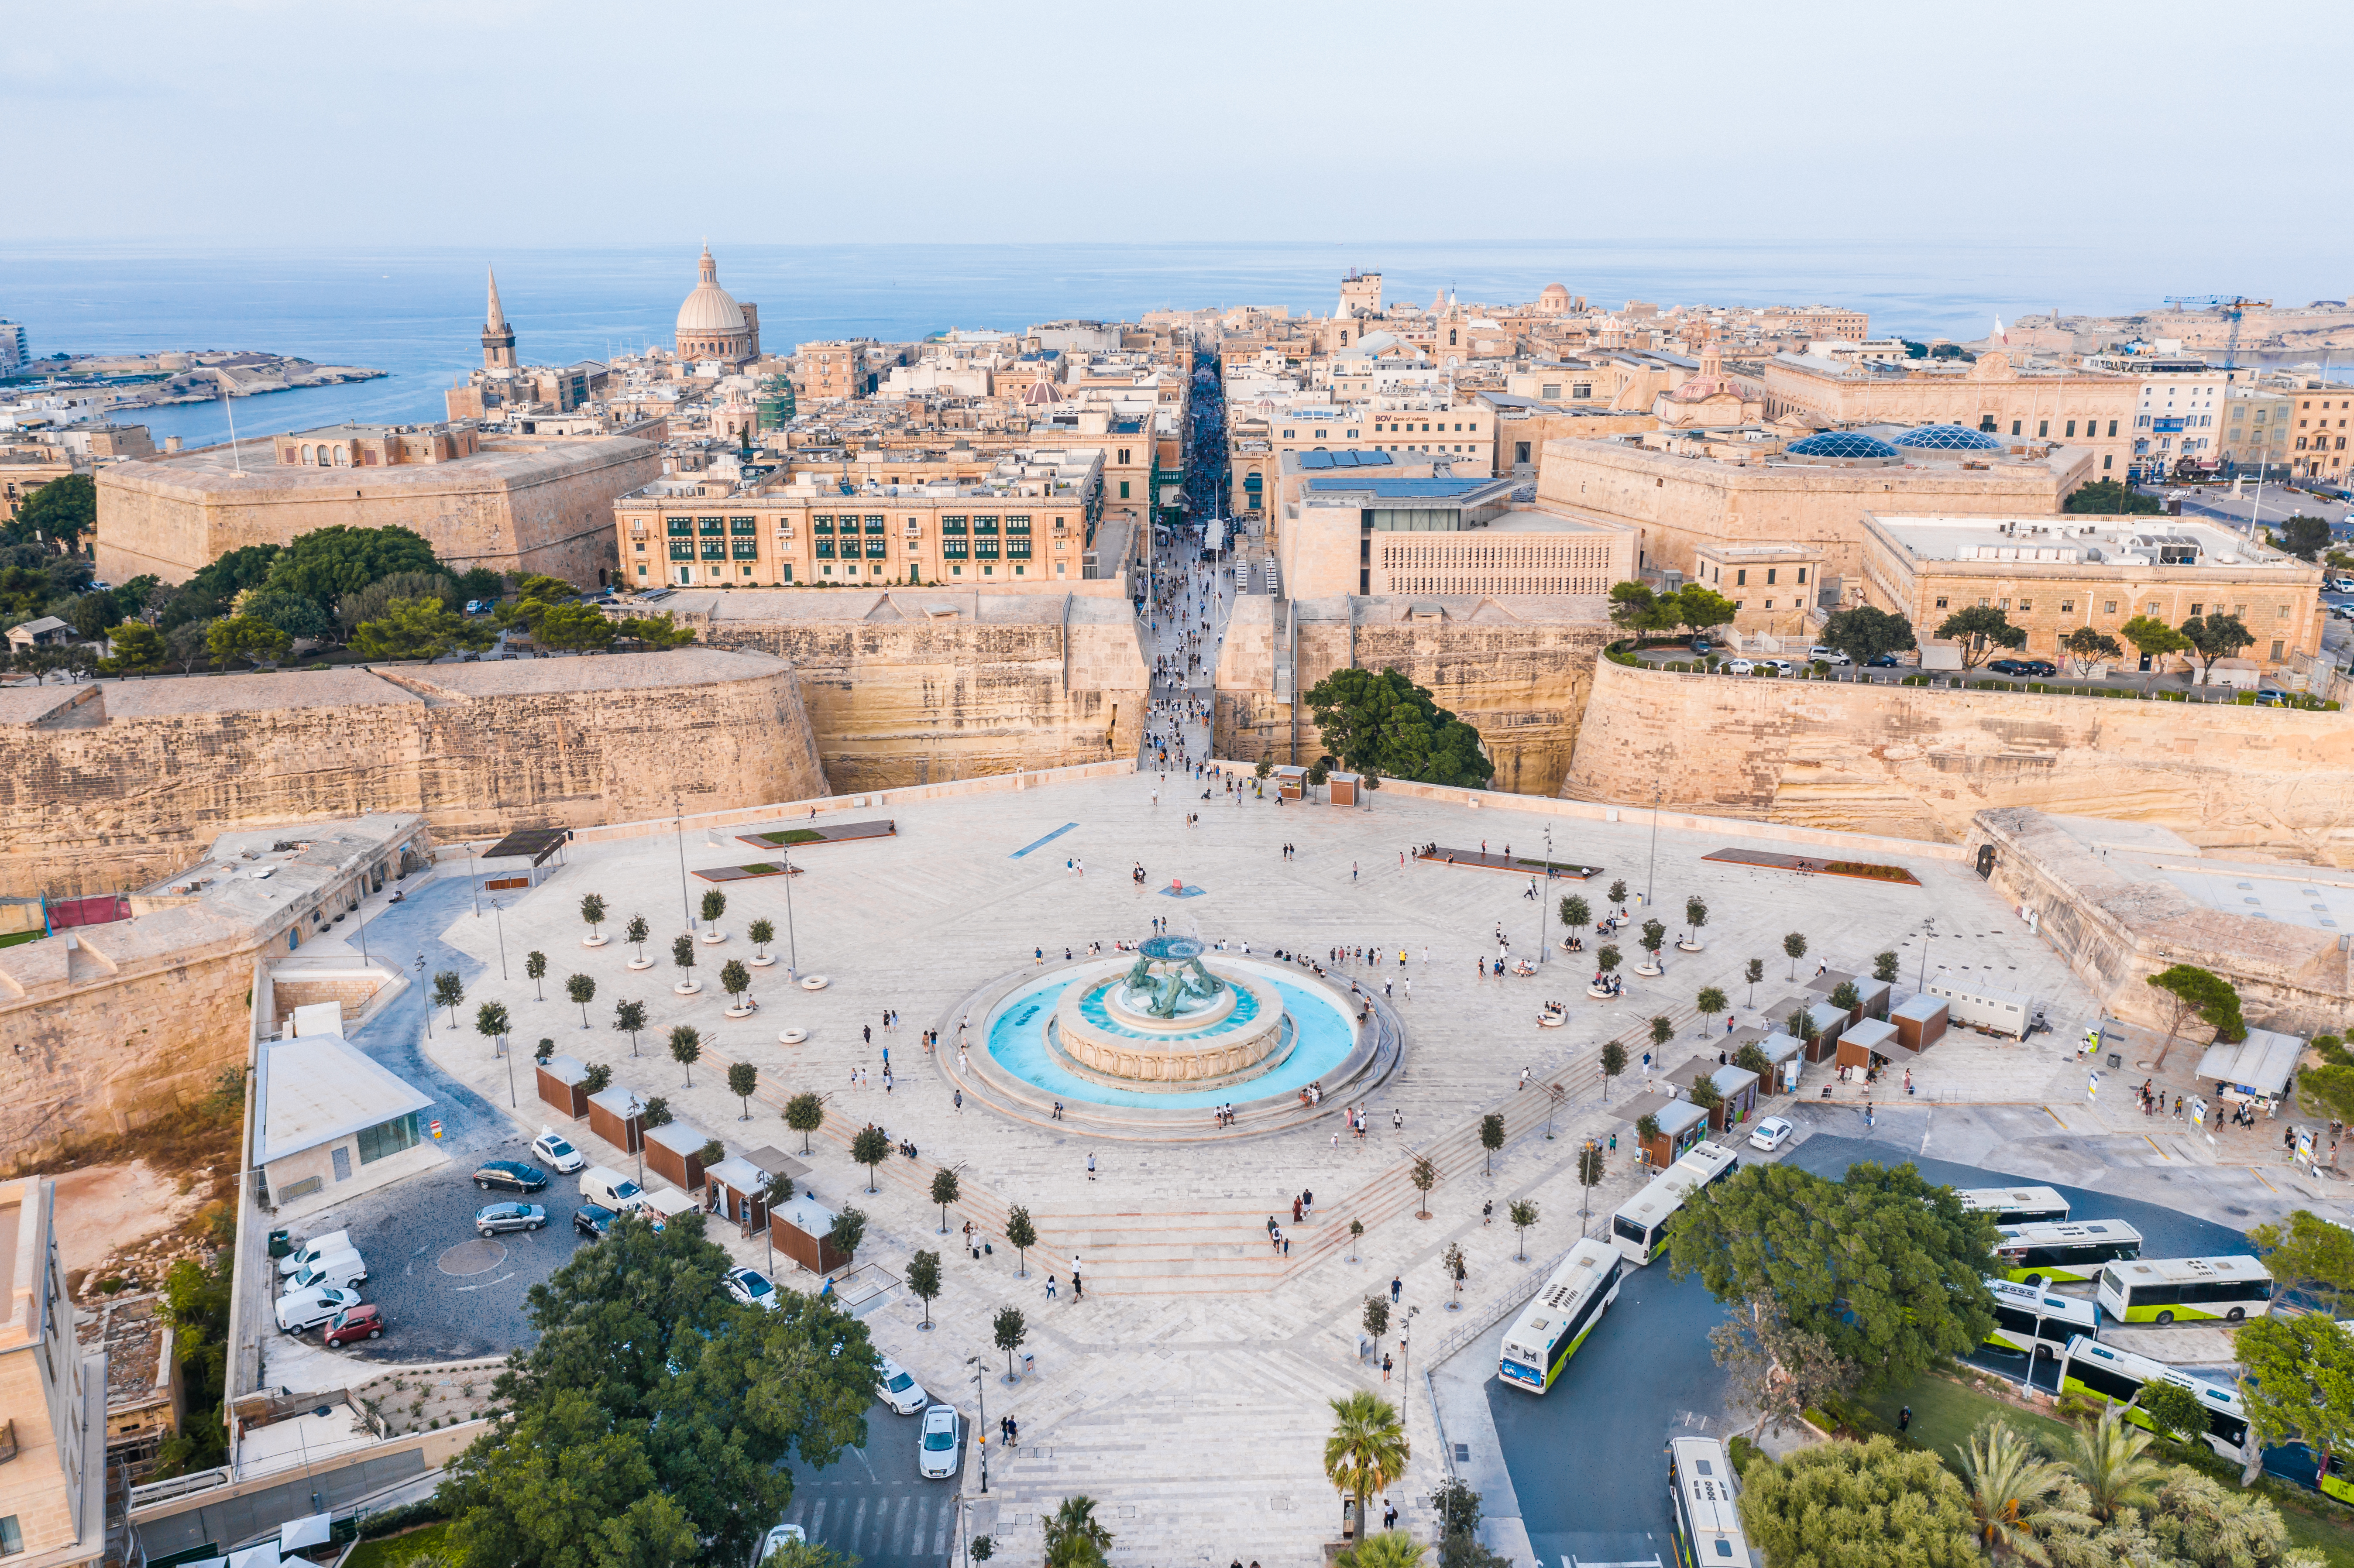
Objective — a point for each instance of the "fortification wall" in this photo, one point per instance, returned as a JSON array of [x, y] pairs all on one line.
[[127, 786], [901, 702], [1919, 762]]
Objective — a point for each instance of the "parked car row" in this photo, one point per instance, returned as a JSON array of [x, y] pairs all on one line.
[[322, 1280]]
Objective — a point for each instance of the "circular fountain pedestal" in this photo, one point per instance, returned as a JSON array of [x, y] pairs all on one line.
[[1158, 1030]]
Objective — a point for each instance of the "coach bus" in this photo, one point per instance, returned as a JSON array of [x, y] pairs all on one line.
[[2015, 1205], [1565, 1311], [2036, 1322], [2104, 1372], [1700, 1505], [2185, 1289], [2069, 1252], [1640, 1228]]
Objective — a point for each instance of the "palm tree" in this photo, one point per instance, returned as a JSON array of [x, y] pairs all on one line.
[[2008, 1484], [2108, 1459], [1074, 1537], [1367, 1450], [1390, 1549]]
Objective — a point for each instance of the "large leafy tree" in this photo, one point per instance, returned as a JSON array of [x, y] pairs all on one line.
[[214, 587], [1696, 608], [2087, 646], [1384, 725], [2187, 992], [295, 614], [368, 603], [257, 642], [649, 1423], [1864, 633], [2296, 1379], [2107, 495], [2214, 637], [327, 563], [1634, 606], [2311, 1255], [2304, 537], [417, 629], [1886, 1269], [1980, 629], [61, 511], [1860, 1505], [573, 626], [138, 651]]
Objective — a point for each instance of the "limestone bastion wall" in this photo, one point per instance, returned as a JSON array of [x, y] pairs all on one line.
[[114, 786], [1521, 681], [1919, 762], [896, 701]]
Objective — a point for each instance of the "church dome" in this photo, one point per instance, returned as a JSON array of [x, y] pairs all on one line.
[[710, 310], [1041, 392], [1554, 297]]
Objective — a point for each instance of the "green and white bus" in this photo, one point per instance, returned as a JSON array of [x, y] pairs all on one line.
[[1640, 1228], [2068, 1252], [2104, 1372], [1551, 1328], [2185, 1289], [1706, 1516], [2015, 1205], [2036, 1322]]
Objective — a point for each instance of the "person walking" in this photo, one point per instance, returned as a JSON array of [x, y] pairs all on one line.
[[1091, 1166], [1078, 1290], [1386, 1366], [1050, 1287], [1397, 1283]]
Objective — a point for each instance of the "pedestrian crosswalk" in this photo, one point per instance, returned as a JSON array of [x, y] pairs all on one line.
[[905, 1523]]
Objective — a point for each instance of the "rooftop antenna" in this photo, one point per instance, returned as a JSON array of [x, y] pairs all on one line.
[[230, 410]]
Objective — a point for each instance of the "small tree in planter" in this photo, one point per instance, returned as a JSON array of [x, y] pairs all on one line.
[[1845, 997], [1662, 1031], [1695, 916], [1654, 937], [1377, 1317], [1795, 945], [805, 1113], [944, 1192], [629, 1017], [1425, 1176], [1452, 1261], [491, 1023], [1575, 912], [546, 1049], [1606, 960], [635, 933], [1021, 1235], [582, 989], [1590, 1171], [1618, 894], [711, 1152], [742, 1079], [1356, 1235], [1711, 1001], [870, 1148], [849, 1228], [1883, 966], [714, 905], [686, 1048], [655, 1113], [1647, 1128], [736, 979], [449, 992], [682, 953], [592, 913], [1523, 1215], [1010, 1331], [1753, 974], [924, 1283], [534, 966], [1491, 1139], [1614, 1062], [762, 932]]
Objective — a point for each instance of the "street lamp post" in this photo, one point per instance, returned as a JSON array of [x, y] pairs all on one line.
[[678, 830], [499, 920], [981, 1381], [792, 943], [637, 1110], [1544, 916], [428, 1000], [1405, 1355], [1654, 866], [473, 882]]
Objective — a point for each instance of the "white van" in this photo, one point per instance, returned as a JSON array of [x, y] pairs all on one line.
[[337, 1269], [603, 1185], [314, 1249]]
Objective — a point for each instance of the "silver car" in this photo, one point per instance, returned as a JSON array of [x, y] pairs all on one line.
[[497, 1217]]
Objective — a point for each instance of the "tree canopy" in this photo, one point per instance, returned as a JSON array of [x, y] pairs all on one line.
[[61, 511], [1385, 725], [1860, 1505], [2296, 1379], [327, 563], [417, 629], [1980, 629], [1637, 608], [1864, 633], [2304, 537], [1886, 1268], [2310, 1255], [208, 593], [648, 1424], [257, 642], [2088, 646], [2107, 495], [2213, 636]]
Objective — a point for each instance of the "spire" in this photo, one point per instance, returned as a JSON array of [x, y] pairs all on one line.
[[496, 320], [498, 338], [710, 269]]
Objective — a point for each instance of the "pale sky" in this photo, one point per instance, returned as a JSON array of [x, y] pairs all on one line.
[[539, 123]]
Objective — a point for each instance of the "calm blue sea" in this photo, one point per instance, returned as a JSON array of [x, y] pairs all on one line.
[[417, 313]]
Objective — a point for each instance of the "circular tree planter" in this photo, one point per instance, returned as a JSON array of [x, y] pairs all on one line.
[[744, 1009], [594, 941], [791, 1036], [764, 961], [1652, 970], [687, 988], [1597, 993], [640, 964], [813, 982], [1688, 946], [714, 936]]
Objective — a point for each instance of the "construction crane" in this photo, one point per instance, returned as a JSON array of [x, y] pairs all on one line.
[[2231, 305]]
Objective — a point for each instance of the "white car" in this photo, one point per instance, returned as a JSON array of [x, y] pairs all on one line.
[[776, 1540], [1828, 655], [751, 1288], [1737, 666], [557, 1149], [313, 1305], [896, 1387], [1781, 666], [1771, 1133], [936, 1459]]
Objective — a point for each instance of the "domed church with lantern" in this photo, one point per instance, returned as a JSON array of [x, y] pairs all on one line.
[[711, 325]]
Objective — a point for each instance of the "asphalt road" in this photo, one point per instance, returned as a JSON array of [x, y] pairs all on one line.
[[872, 1503], [1586, 1458], [404, 1230]]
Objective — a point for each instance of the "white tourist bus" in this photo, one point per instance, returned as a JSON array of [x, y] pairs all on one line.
[[1700, 1502], [2104, 1372], [2185, 1289], [2015, 1205], [1640, 1227], [2036, 1322], [2067, 1252], [1564, 1312]]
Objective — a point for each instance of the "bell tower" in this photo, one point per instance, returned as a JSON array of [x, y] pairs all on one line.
[[498, 338]]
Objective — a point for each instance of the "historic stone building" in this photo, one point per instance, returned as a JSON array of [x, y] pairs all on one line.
[[713, 325]]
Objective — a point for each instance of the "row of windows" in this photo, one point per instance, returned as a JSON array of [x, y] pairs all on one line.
[[2321, 444], [2043, 427], [2109, 606], [1465, 557], [1487, 584], [1740, 576]]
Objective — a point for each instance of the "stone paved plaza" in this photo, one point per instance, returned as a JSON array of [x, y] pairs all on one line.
[[1187, 1391]]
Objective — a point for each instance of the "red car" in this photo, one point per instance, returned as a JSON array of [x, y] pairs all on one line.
[[364, 1322]]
